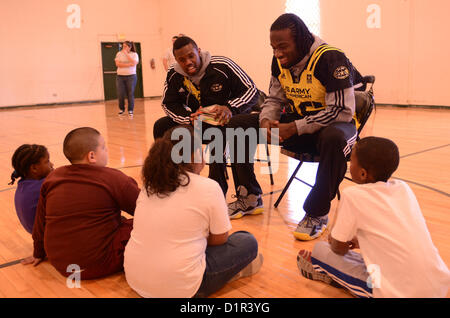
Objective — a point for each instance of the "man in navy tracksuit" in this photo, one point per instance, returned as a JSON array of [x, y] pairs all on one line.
[[201, 80]]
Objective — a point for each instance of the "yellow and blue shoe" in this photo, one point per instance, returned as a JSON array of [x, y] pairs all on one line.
[[246, 204], [310, 227]]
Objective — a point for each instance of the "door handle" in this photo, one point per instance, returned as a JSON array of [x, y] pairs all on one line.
[[110, 72]]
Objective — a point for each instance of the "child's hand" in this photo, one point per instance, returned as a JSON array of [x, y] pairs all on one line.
[[353, 243], [31, 260]]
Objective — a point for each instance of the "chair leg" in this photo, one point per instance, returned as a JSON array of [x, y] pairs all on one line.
[[269, 164], [288, 184], [225, 167]]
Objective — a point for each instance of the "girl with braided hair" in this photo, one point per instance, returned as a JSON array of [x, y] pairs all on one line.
[[31, 164]]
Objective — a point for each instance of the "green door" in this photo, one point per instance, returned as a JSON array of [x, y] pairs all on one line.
[[109, 68]]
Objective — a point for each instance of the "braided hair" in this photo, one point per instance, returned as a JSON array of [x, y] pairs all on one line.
[[303, 37], [25, 156]]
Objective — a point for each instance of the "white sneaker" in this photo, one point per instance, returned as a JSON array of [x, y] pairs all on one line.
[[251, 268]]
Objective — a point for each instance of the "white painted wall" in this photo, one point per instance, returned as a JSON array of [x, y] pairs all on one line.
[[43, 61]]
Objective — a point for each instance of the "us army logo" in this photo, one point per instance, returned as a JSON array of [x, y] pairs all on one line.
[[341, 72], [309, 78], [216, 87]]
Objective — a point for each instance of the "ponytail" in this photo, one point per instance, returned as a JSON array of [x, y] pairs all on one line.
[[22, 159]]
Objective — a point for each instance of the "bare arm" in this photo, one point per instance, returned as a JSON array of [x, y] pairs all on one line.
[[121, 64], [217, 239], [338, 247]]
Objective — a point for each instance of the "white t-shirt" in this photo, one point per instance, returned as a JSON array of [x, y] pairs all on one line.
[[121, 57], [394, 240], [165, 256]]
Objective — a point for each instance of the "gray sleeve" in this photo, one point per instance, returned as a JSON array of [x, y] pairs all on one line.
[[271, 108]]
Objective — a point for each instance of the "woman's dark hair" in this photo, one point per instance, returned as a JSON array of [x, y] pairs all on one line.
[[183, 41], [160, 174], [25, 156], [131, 46], [302, 36], [379, 156]]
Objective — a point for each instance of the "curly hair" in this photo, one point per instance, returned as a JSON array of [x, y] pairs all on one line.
[[161, 175]]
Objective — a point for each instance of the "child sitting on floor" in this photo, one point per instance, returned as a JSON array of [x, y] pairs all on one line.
[[381, 217], [179, 246], [78, 218], [31, 164]]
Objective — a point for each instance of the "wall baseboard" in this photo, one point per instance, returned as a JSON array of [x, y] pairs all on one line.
[[414, 106], [68, 103]]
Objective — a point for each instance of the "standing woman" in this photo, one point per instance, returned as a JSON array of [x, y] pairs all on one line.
[[126, 61], [179, 245]]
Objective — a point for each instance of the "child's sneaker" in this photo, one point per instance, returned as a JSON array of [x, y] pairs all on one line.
[[121, 112], [310, 227], [307, 270], [251, 268], [130, 114], [245, 204]]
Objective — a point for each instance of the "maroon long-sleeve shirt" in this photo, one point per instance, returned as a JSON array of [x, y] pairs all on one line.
[[78, 213]]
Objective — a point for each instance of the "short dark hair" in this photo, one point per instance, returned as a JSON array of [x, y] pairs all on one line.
[[379, 156], [131, 45], [302, 36], [183, 41], [25, 156], [80, 142]]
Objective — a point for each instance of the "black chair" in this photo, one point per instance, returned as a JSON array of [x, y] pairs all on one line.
[[256, 110], [365, 104]]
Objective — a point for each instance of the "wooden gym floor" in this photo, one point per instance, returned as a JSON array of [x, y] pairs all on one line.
[[422, 135]]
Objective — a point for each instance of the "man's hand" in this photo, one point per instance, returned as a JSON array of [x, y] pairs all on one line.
[[287, 131], [269, 124], [222, 114], [195, 115], [31, 260]]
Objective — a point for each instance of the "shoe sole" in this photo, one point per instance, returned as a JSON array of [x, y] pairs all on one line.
[[250, 269], [251, 212], [307, 237], [307, 271]]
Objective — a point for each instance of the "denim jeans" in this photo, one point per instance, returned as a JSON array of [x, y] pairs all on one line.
[[223, 262], [125, 88]]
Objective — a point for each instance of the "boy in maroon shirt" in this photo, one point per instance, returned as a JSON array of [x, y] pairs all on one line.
[[78, 218]]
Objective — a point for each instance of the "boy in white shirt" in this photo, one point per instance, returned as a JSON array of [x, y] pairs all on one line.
[[383, 219]]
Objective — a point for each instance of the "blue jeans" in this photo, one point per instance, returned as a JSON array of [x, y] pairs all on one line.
[[125, 88], [223, 262]]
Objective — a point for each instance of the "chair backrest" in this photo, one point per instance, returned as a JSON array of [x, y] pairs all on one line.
[[364, 102], [257, 107]]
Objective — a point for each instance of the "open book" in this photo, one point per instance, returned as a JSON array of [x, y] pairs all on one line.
[[207, 116]]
